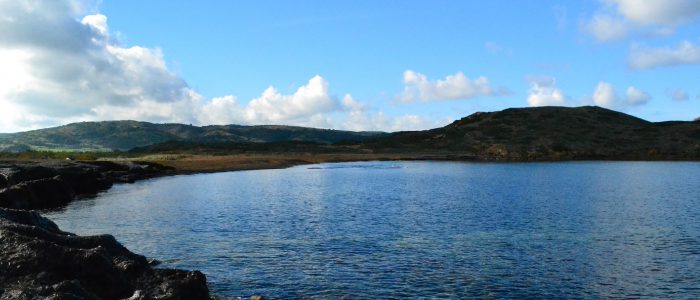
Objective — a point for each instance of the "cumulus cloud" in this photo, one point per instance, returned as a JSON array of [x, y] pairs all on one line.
[[618, 18], [606, 96], [308, 100], [458, 86], [635, 96], [543, 92], [685, 53], [678, 94], [311, 105], [222, 110], [307, 106], [58, 66], [362, 117]]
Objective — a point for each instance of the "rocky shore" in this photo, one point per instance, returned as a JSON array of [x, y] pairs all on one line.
[[39, 261], [51, 184]]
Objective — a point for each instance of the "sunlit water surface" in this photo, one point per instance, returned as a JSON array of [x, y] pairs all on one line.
[[418, 229]]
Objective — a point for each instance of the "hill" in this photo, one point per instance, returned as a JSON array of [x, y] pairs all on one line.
[[125, 135], [514, 134], [550, 133]]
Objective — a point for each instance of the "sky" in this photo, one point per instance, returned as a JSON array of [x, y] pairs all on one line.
[[384, 65]]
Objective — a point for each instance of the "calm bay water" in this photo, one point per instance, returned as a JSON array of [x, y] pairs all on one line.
[[418, 229]]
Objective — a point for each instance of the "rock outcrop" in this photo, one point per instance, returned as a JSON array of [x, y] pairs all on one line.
[[39, 261], [50, 184]]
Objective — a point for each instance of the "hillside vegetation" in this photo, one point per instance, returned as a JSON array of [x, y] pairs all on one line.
[[126, 135], [515, 134], [551, 133]]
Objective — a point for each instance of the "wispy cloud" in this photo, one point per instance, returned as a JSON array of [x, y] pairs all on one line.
[[605, 27], [685, 53], [678, 94], [495, 48]]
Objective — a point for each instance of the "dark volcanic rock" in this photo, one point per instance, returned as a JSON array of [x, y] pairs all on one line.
[[39, 261], [37, 194], [3, 180], [50, 184]]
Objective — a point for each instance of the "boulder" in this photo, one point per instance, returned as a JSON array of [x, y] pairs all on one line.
[[39, 261]]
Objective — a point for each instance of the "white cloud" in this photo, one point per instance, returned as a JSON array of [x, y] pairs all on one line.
[[458, 86], [60, 63], [308, 100], [350, 104], [311, 105], [306, 107], [635, 96], [606, 96], [648, 58], [678, 94], [361, 117], [98, 22], [543, 92], [222, 110], [669, 12], [58, 66], [619, 18], [608, 28]]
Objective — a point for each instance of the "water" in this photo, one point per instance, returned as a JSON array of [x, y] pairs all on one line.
[[418, 229]]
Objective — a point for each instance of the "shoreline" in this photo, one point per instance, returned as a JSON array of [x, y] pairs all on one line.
[[196, 164], [89, 267], [82, 178], [66, 180]]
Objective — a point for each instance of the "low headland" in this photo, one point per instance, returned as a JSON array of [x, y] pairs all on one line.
[[48, 168]]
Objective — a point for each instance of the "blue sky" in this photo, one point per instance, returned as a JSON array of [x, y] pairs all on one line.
[[359, 65]]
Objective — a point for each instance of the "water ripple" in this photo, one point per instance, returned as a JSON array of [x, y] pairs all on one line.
[[418, 229]]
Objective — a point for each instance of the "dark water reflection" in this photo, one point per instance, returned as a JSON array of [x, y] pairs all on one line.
[[418, 229]]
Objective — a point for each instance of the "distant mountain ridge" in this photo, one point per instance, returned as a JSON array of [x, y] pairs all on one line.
[[125, 135], [514, 134]]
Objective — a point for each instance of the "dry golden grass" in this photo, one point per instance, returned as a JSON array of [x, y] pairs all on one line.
[[219, 163]]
